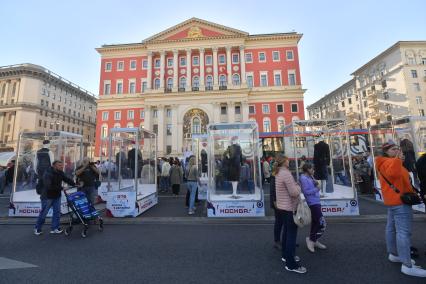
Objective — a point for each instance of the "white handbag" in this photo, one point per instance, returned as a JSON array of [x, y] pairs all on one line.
[[302, 215]]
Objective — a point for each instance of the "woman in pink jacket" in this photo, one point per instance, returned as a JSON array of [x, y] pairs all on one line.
[[288, 197]]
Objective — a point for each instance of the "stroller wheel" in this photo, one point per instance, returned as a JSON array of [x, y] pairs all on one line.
[[84, 233], [68, 231], [101, 225]]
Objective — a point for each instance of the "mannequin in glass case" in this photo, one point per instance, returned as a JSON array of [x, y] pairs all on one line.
[[42, 162], [321, 163], [233, 160], [203, 163], [131, 160]]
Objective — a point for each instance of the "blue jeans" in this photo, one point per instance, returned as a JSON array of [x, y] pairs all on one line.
[[398, 232], [289, 240], [278, 225], [46, 204], [192, 187], [164, 183]]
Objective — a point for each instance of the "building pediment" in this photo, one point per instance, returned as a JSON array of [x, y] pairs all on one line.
[[195, 28]]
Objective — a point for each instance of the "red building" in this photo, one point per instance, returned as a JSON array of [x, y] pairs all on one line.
[[233, 77]]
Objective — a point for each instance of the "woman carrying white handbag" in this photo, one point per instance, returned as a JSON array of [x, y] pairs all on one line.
[[311, 192], [288, 197]]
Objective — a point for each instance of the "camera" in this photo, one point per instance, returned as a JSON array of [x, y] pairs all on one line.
[[91, 163]]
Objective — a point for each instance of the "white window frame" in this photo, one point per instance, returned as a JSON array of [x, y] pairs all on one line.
[[196, 57], [254, 109], [223, 83], [168, 85], [133, 62], [117, 115], [211, 60], [157, 87], [132, 81], [278, 72], [291, 108], [278, 122], [142, 114], [116, 87], [224, 59], [118, 65], [106, 82], [238, 58], [416, 87], [250, 74], [287, 52], [261, 73], [414, 74], [180, 85], [273, 55], [184, 61], [239, 79], [276, 107], [169, 60], [264, 54], [105, 115], [251, 57], [268, 110], [143, 90], [144, 65], [108, 63], [209, 84], [104, 130], [169, 112], [266, 119], [130, 114], [155, 63], [291, 72]]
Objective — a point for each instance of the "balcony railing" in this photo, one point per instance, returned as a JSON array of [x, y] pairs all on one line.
[[223, 88], [209, 88], [195, 89], [168, 90], [181, 90]]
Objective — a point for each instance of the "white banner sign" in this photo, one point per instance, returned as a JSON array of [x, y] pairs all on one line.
[[146, 203], [236, 209], [121, 204], [340, 207]]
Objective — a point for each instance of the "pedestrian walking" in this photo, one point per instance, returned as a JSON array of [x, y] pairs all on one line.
[[51, 197], [395, 181], [279, 217], [288, 197], [311, 191], [165, 176], [192, 184], [176, 177], [88, 175]]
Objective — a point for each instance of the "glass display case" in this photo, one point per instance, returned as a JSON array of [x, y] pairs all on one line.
[[36, 151], [235, 187], [410, 134], [200, 149], [130, 172], [326, 145]]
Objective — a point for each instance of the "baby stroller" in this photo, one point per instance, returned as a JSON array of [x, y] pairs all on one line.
[[82, 211]]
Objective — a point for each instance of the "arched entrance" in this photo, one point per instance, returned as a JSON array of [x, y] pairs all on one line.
[[195, 121]]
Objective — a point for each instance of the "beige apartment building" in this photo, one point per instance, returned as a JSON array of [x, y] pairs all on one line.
[[390, 86], [34, 98]]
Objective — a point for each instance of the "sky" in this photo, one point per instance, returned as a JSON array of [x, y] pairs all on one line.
[[338, 36]]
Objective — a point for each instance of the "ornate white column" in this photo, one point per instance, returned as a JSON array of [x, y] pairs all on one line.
[[175, 130], [215, 69], [243, 66], [160, 136], [162, 69], [216, 112], [202, 69], [147, 118], [244, 111], [231, 112], [188, 70], [180, 135], [229, 66], [149, 72], [175, 70]]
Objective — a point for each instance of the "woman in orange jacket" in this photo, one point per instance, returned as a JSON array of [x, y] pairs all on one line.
[[400, 215]]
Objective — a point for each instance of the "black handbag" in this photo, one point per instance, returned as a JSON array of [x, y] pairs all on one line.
[[408, 198]]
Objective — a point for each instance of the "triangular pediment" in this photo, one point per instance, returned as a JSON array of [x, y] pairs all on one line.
[[195, 28]]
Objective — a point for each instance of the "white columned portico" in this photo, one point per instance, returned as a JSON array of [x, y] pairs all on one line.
[[245, 111], [215, 70], [162, 69], [175, 127], [188, 70], [180, 135], [229, 66], [160, 137], [147, 118], [175, 70], [243, 66], [231, 112], [216, 112], [149, 72], [201, 69]]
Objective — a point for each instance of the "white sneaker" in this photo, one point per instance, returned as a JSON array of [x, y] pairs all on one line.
[[190, 212], [299, 269], [56, 231], [296, 259], [416, 271], [319, 245], [310, 245], [394, 258], [37, 232]]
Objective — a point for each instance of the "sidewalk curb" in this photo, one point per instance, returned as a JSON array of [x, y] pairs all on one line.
[[269, 220]]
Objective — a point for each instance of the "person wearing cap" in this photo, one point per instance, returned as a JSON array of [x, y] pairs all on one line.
[[400, 215]]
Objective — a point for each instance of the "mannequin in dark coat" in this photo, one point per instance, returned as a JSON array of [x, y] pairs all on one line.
[[321, 160], [203, 161], [131, 161], [421, 173], [233, 161]]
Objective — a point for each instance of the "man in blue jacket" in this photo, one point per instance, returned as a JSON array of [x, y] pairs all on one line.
[[51, 197]]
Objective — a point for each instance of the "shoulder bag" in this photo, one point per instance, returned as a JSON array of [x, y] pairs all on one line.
[[302, 215], [408, 198]]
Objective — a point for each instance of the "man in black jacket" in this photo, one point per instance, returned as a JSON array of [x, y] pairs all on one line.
[[51, 197]]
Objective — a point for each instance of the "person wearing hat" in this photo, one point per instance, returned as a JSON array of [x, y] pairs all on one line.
[[400, 216]]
